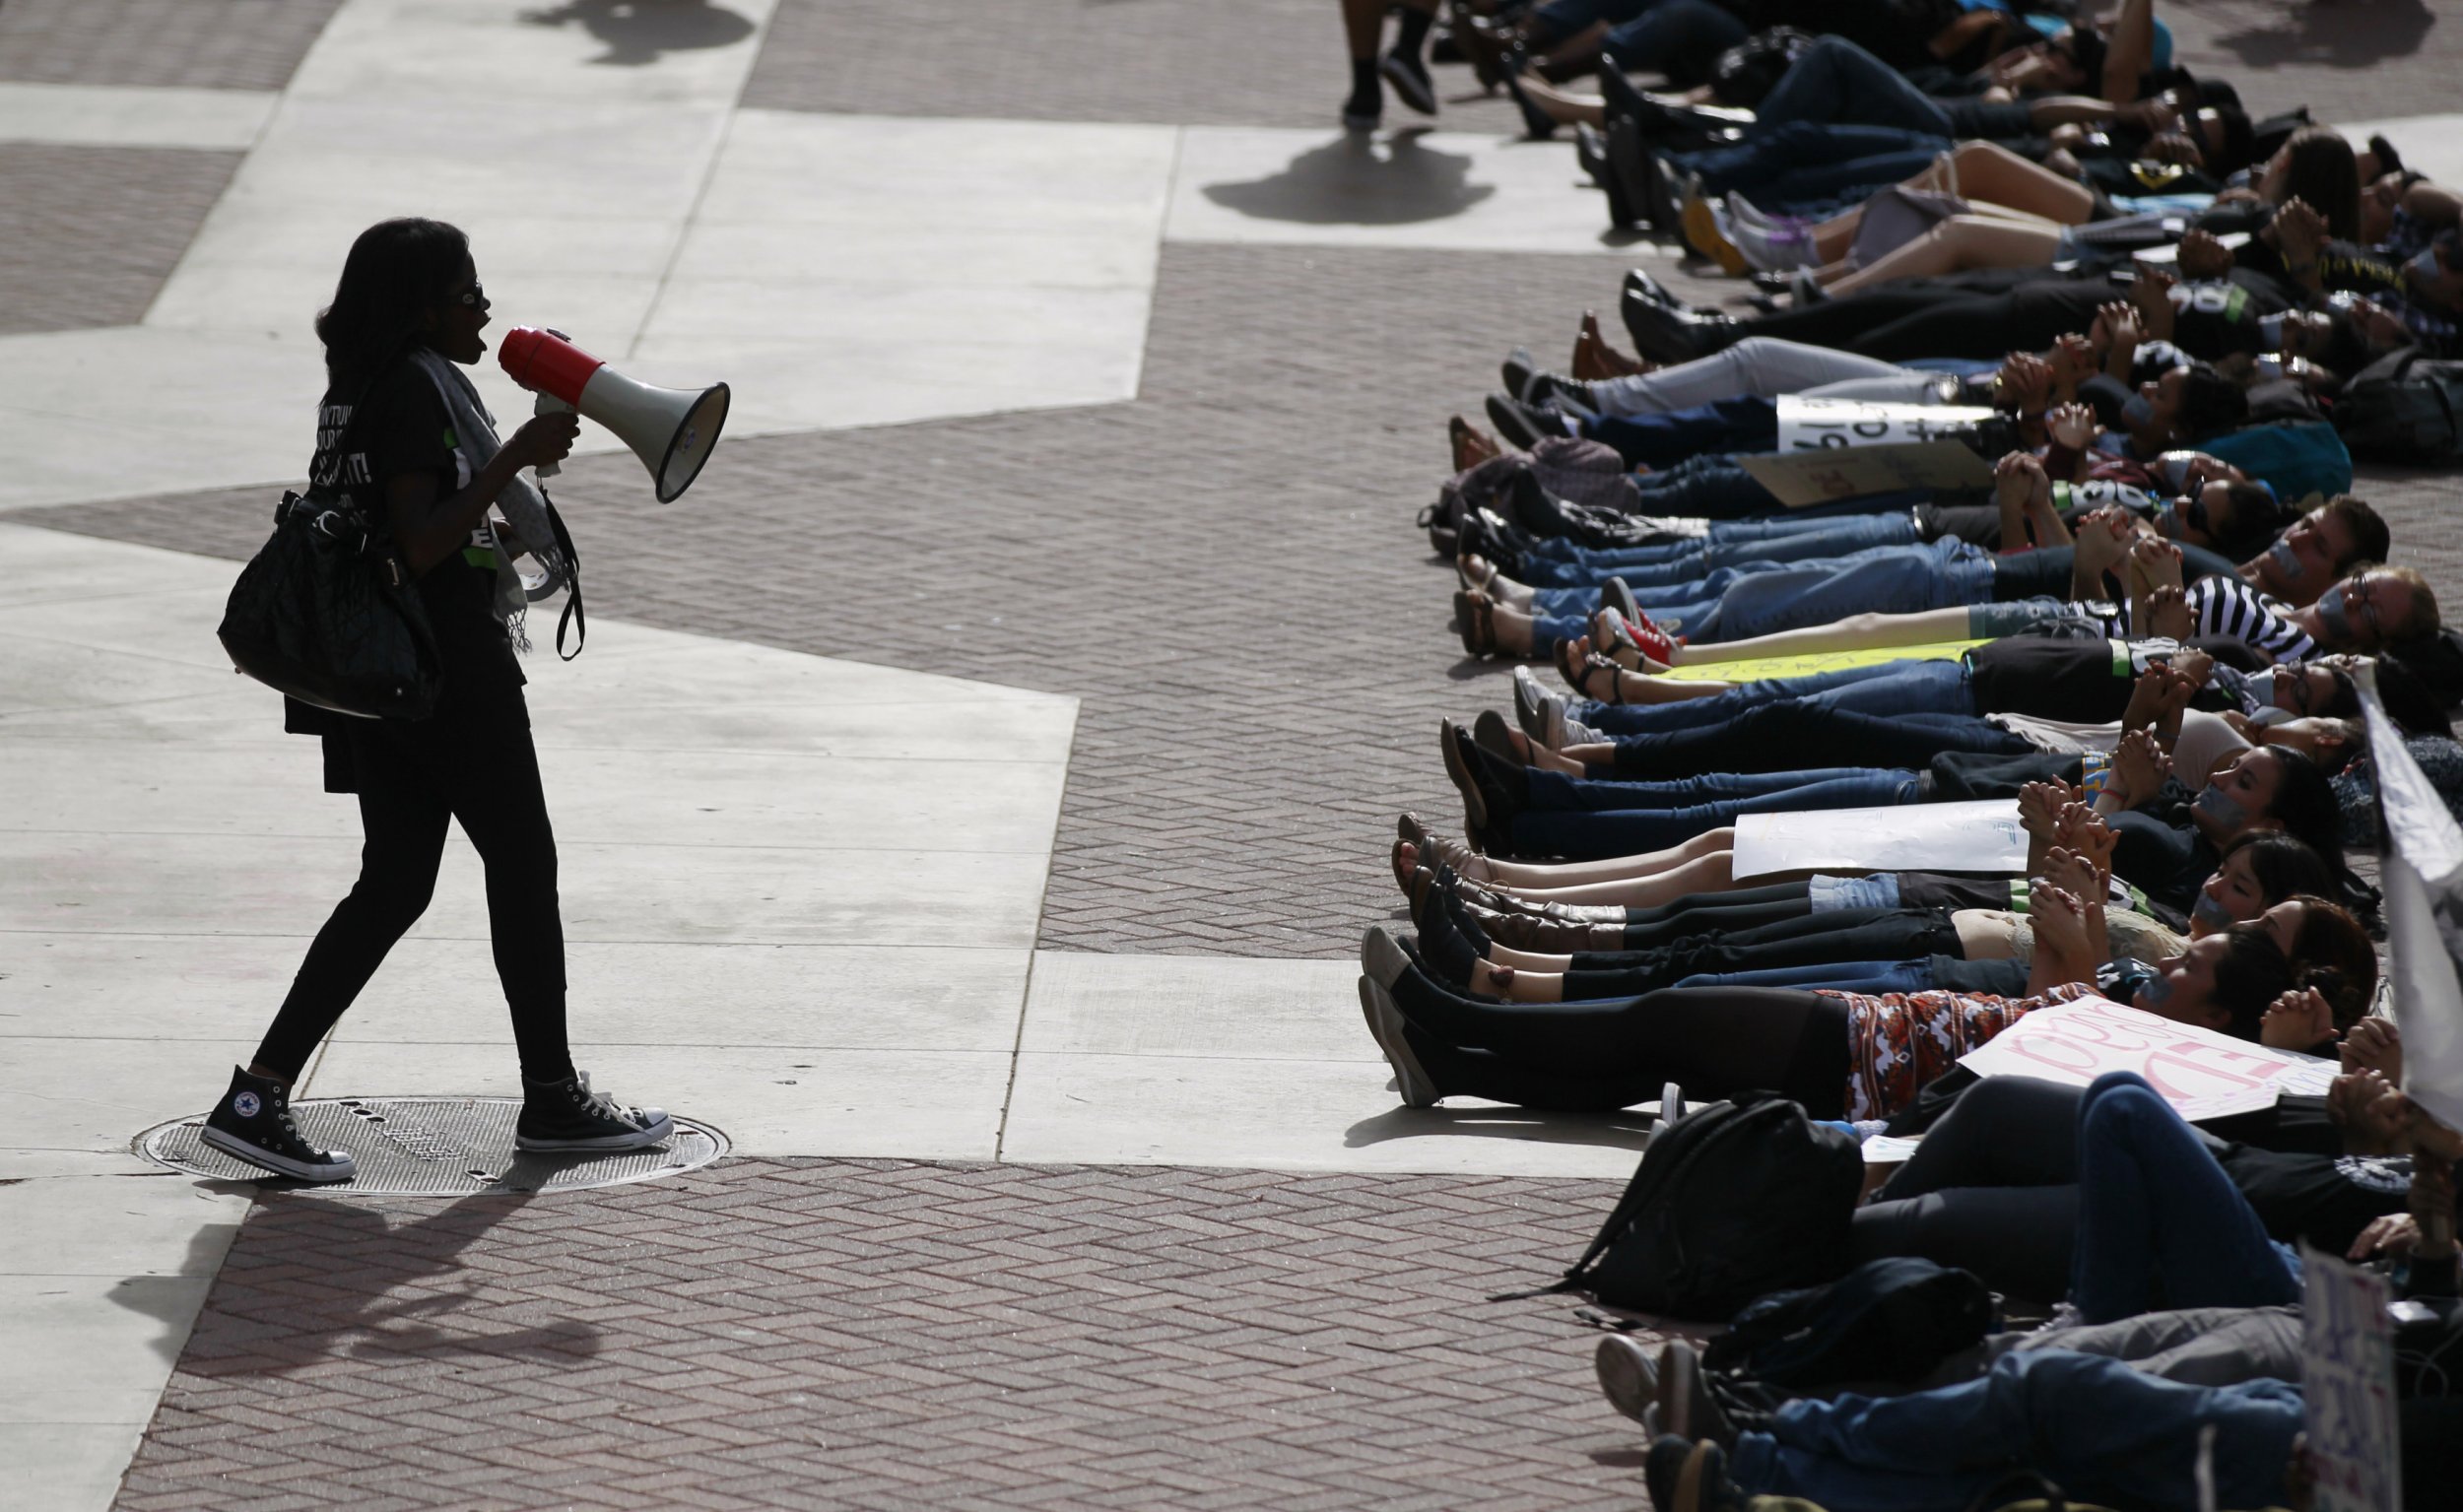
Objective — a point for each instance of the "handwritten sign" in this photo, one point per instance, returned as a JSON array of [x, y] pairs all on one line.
[[2200, 1072], [1753, 669], [1823, 475], [1816, 424], [1980, 836], [2348, 1386]]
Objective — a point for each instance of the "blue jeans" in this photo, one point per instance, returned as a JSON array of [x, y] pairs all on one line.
[[1746, 422], [1560, 564], [1871, 977], [1801, 162], [1889, 580], [2159, 1222], [1583, 819], [2105, 1432], [1680, 39], [1558, 20], [1835, 83], [1893, 687]]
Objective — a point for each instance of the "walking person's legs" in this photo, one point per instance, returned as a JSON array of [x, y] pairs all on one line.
[[1405, 66], [502, 805], [403, 817]]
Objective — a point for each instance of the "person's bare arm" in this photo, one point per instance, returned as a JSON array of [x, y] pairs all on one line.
[[2130, 51], [425, 531], [2049, 110]]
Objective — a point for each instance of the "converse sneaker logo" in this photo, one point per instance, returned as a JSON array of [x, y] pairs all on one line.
[[246, 1104]]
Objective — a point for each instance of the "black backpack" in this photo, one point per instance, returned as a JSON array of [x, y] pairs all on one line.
[[1895, 1319], [1731, 1202], [2403, 408]]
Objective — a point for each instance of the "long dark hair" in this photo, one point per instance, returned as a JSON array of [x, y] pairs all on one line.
[[2323, 172], [397, 272]]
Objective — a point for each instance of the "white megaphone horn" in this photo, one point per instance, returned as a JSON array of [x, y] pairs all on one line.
[[673, 430]]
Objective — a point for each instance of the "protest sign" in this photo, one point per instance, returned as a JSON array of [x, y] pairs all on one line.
[[1830, 425], [2202, 1074], [2421, 867], [1822, 475], [1980, 836], [2348, 1387], [1754, 669]]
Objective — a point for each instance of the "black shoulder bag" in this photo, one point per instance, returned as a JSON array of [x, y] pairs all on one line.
[[326, 612]]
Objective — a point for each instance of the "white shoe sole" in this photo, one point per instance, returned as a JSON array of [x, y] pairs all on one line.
[[602, 1143], [238, 1149], [1627, 1377], [1386, 1026]]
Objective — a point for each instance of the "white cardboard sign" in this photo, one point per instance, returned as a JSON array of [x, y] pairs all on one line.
[[2348, 1386], [1811, 425], [1980, 836], [2202, 1074]]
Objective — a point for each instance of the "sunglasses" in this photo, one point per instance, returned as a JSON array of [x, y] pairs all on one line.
[[475, 295]]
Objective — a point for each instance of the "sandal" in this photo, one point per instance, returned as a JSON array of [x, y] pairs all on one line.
[[1577, 676], [1475, 616], [1475, 582]]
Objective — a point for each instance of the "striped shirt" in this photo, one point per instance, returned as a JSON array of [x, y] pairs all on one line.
[[2230, 605]]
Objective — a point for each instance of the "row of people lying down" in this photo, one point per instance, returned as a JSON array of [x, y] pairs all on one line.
[[1851, 175], [2313, 583], [2151, 633], [2174, 1246]]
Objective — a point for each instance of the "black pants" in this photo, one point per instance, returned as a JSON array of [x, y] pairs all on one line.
[[1981, 316], [1992, 1189], [1842, 935], [1787, 736], [471, 761], [1713, 1041]]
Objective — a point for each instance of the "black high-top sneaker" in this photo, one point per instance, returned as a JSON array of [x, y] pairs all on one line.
[[567, 1115], [253, 1123]]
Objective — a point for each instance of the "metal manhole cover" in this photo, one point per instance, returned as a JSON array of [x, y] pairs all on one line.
[[435, 1146]]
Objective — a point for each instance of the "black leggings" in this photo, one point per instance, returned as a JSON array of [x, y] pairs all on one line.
[[472, 761], [1713, 1041], [1819, 938], [1698, 914], [1776, 737], [1992, 1189]]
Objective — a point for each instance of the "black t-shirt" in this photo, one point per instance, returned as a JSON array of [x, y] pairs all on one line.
[[2218, 318], [2083, 682], [2163, 854], [2326, 1200], [2122, 177], [407, 430], [2037, 574], [401, 426]]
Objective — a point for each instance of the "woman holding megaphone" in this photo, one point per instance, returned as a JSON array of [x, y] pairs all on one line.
[[409, 306]]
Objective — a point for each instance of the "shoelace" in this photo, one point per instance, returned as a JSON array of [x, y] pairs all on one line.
[[592, 1101]]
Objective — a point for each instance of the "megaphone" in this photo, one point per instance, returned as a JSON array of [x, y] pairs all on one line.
[[673, 430]]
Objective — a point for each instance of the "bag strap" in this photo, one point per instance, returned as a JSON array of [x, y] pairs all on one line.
[[573, 615]]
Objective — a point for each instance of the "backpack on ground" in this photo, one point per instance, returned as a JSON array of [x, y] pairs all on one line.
[[1731, 1202], [2404, 407], [1893, 1319]]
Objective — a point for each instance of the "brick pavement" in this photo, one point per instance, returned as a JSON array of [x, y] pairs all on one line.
[[221, 44], [1184, 62], [884, 1335], [89, 233]]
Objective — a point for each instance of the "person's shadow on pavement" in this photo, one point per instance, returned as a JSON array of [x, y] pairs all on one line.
[[310, 1281], [2336, 35], [638, 31], [1349, 182]]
